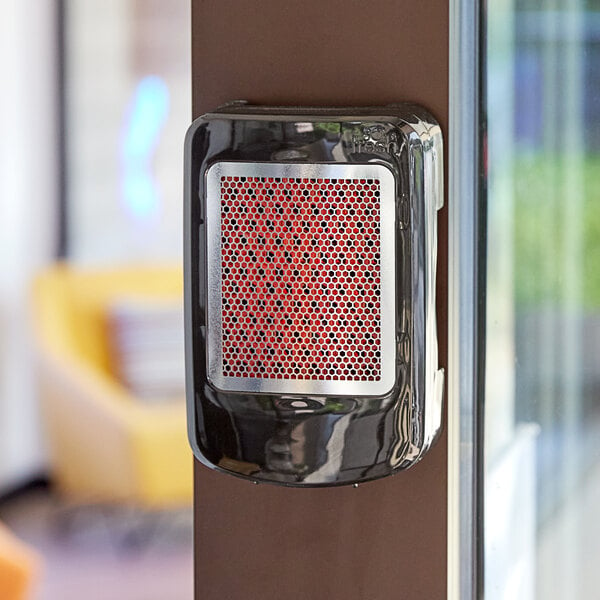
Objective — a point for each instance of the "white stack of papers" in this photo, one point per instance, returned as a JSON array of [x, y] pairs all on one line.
[[148, 347]]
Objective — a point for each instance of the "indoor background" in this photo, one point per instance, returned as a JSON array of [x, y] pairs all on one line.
[[95, 471]]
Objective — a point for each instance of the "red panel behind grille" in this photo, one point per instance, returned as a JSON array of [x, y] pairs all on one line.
[[300, 262]]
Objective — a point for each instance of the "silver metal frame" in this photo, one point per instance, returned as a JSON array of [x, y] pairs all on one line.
[[463, 558], [387, 275]]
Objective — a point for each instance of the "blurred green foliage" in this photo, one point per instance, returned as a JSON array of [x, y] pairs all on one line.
[[557, 230]]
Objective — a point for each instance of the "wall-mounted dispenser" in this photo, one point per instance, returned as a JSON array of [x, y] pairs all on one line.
[[310, 267]]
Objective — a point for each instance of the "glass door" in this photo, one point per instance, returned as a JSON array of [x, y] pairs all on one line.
[[542, 383], [127, 107]]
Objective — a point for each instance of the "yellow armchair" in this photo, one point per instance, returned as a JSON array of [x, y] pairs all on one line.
[[105, 444]]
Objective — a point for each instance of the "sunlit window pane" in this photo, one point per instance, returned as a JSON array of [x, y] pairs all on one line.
[[543, 329]]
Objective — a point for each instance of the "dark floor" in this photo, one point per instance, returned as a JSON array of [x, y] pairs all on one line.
[[103, 553]]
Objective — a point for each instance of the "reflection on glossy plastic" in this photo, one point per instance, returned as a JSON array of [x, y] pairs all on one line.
[[310, 249]]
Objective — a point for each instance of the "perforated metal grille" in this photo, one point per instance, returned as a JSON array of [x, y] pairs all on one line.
[[300, 262]]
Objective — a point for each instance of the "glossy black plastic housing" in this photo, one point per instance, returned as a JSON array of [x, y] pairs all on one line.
[[300, 439]]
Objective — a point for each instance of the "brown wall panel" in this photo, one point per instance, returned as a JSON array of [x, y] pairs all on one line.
[[386, 539]]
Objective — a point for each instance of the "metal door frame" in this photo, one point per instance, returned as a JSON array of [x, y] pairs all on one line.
[[466, 301]]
